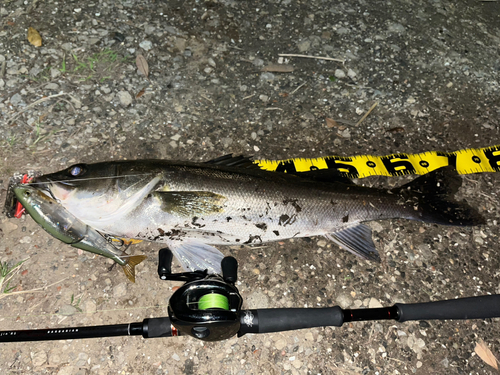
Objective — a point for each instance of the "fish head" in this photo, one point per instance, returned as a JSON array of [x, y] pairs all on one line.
[[100, 192], [78, 181]]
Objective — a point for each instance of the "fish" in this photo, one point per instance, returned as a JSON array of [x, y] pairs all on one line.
[[191, 207], [61, 224]]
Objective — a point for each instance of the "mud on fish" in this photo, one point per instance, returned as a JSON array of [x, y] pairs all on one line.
[[192, 207]]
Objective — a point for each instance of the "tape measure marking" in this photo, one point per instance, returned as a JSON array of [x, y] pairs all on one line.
[[467, 161]]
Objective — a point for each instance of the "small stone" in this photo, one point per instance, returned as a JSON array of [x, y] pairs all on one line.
[[309, 336], [374, 303], [68, 310], [343, 301], [211, 62], [17, 100], [321, 243], [258, 62], [339, 73], [176, 357], [146, 45], [297, 363], [280, 344], [25, 239], [264, 98], [120, 290], [2, 83], [90, 306], [54, 73], [411, 100], [67, 370], [125, 98], [304, 45], [51, 86], [176, 137], [267, 76], [38, 358], [351, 73], [149, 29], [397, 28]]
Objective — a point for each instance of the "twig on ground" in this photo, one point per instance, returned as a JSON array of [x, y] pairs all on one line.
[[312, 57], [367, 113]]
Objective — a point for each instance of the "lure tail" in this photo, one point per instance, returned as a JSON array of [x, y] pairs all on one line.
[[129, 267]]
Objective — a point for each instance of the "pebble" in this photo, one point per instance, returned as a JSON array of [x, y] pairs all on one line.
[[120, 290], [211, 62], [176, 357], [344, 301], [51, 86], [374, 303], [68, 310], [146, 45], [397, 28], [149, 29], [351, 73], [264, 98], [38, 358], [17, 100], [67, 370], [280, 344], [125, 98], [339, 73], [304, 45], [2, 83], [25, 239], [54, 73]]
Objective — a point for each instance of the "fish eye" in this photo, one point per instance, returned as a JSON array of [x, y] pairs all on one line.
[[27, 193], [76, 170]]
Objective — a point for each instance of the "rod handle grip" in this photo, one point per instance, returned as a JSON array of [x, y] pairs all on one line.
[[480, 307]]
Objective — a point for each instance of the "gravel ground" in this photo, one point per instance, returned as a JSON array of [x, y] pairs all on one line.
[[432, 65]]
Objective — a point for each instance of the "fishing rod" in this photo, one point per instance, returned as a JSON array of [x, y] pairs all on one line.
[[208, 307]]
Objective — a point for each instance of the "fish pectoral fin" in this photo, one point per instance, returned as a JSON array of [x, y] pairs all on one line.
[[190, 203], [129, 267], [195, 255], [357, 240]]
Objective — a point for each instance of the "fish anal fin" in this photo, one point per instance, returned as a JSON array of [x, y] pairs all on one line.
[[195, 255], [129, 267], [190, 203], [357, 240]]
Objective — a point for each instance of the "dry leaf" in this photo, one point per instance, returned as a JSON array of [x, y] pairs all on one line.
[[485, 354], [331, 123], [278, 68], [34, 37], [140, 93], [142, 65]]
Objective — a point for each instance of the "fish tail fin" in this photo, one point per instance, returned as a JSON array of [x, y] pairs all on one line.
[[129, 267], [430, 198]]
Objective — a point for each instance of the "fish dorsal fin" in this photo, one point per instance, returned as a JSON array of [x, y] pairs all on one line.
[[234, 161], [190, 203], [357, 240], [195, 255]]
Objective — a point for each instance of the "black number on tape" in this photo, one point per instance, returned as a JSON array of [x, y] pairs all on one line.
[[476, 159], [334, 162], [403, 166], [494, 160]]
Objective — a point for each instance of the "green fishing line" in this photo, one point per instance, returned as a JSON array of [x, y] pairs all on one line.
[[213, 301]]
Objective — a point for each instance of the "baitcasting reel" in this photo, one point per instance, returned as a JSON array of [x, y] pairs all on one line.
[[207, 307]]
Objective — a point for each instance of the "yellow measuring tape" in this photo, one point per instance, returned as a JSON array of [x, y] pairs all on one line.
[[472, 160]]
